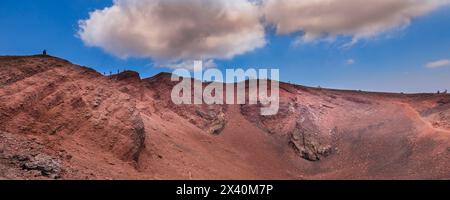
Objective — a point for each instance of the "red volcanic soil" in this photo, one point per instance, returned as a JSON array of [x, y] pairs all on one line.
[[63, 121]]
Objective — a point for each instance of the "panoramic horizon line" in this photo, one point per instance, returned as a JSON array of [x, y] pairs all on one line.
[[170, 73]]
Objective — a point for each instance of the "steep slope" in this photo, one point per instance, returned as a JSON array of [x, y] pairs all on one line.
[[74, 109], [59, 120]]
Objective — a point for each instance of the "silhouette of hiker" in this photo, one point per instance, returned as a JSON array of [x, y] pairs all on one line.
[[44, 52]]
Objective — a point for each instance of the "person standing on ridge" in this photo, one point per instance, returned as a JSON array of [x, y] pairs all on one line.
[[44, 52]]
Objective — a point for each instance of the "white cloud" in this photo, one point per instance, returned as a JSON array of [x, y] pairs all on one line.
[[189, 65], [438, 64], [350, 61], [175, 30], [179, 31], [319, 19]]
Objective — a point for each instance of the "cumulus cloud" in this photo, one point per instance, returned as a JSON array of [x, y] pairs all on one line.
[[189, 65], [175, 30], [438, 64], [350, 61], [319, 19]]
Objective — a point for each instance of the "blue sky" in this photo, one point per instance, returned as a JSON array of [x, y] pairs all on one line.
[[393, 61]]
